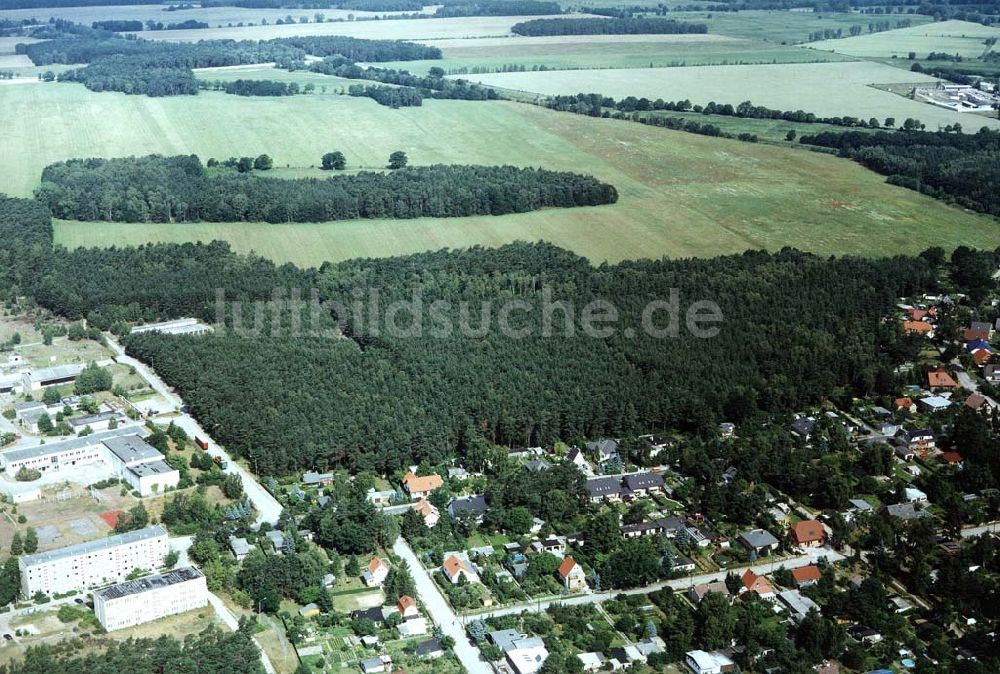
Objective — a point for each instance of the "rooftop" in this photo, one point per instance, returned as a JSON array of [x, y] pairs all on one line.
[[148, 583], [131, 448], [57, 372], [66, 445], [92, 546]]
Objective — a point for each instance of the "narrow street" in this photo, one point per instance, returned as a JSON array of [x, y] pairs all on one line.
[[440, 611]]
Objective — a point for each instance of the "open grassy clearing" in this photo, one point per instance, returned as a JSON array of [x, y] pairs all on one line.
[[269, 72], [681, 194], [393, 29], [492, 54], [952, 37], [828, 89], [213, 16], [785, 26]]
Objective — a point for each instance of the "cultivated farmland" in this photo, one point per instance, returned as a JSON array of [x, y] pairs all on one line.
[[609, 51], [951, 37], [827, 89], [681, 194]]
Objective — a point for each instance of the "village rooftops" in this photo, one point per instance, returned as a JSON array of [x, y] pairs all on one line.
[[638, 481], [92, 546], [758, 538], [141, 585], [604, 486]]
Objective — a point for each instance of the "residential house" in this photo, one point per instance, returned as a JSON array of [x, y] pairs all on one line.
[[524, 654], [982, 327], [991, 373], [429, 650], [806, 575], [698, 592], [377, 614], [381, 498], [277, 539], [921, 328], [641, 484], [604, 450], [577, 458], [858, 506], [309, 611], [980, 403], [240, 548], [906, 404], [809, 534], [914, 495], [934, 404], [972, 335], [727, 430], [572, 575], [427, 512], [473, 507], [376, 665], [798, 605], [312, 479], [759, 540], [454, 568], [755, 583], [920, 439], [952, 458], [376, 572], [421, 486], [905, 511], [412, 627], [458, 473], [591, 662], [537, 466], [804, 427], [692, 536], [604, 489], [407, 606], [703, 662], [940, 379], [678, 563]]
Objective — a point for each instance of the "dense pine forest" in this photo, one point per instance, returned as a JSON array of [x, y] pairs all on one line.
[[797, 328], [538, 27], [211, 652], [181, 189], [956, 167]]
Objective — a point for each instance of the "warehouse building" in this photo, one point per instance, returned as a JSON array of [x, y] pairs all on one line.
[[106, 560], [144, 600], [36, 380], [182, 326]]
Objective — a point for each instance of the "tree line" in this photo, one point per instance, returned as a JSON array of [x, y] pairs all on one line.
[[497, 8], [628, 26], [179, 189], [411, 87], [955, 167]]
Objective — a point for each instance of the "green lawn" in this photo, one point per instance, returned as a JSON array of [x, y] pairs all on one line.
[[782, 26]]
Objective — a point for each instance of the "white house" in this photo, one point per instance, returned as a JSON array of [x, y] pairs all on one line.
[[376, 572], [703, 662]]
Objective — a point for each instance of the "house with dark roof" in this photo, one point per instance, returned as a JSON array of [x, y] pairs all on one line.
[[760, 541], [804, 427], [429, 650], [641, 484], [469, 506], [604, 489], [604, 450]]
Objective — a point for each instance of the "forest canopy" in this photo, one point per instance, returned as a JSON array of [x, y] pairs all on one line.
[[614, 26], [181, 189]]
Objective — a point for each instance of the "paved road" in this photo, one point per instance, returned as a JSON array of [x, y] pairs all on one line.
[[972, 532], [268, 508], [440, 611], [806, 559]]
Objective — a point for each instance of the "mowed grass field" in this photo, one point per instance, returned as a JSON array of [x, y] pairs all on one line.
[[609, 51], [827, 89], [786, 26], [952, 37], [680, 194]]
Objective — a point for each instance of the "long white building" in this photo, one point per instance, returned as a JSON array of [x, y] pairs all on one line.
[[129, 456], [141, 601], [106, 560]]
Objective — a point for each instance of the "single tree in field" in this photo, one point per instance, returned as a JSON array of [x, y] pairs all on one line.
[[398, 160], [244, 165], [31, 541], [334, 161], [263, 163]]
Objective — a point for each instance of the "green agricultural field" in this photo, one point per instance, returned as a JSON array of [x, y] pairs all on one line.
[[610, 51], [393, 29], [786, 27], [681, 194], [213, 16], [828, 89], [952, 37], [267, 72]]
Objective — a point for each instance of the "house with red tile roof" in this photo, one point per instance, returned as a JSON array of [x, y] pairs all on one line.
[[421, 486], [809, 534], [806, 575], [940, 379], [572, 575], [376, 572], [428, 512], [759, 584], [407, 606], [917, 328], [454, 568]]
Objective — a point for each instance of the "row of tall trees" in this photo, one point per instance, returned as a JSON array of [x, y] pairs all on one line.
[[433, 85], [179, 189]]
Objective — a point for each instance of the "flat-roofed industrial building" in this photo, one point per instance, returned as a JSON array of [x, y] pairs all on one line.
[[144, 600]]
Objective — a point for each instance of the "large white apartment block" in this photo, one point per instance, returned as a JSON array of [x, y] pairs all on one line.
[[141, 601], [130, 457], [106, 560]]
